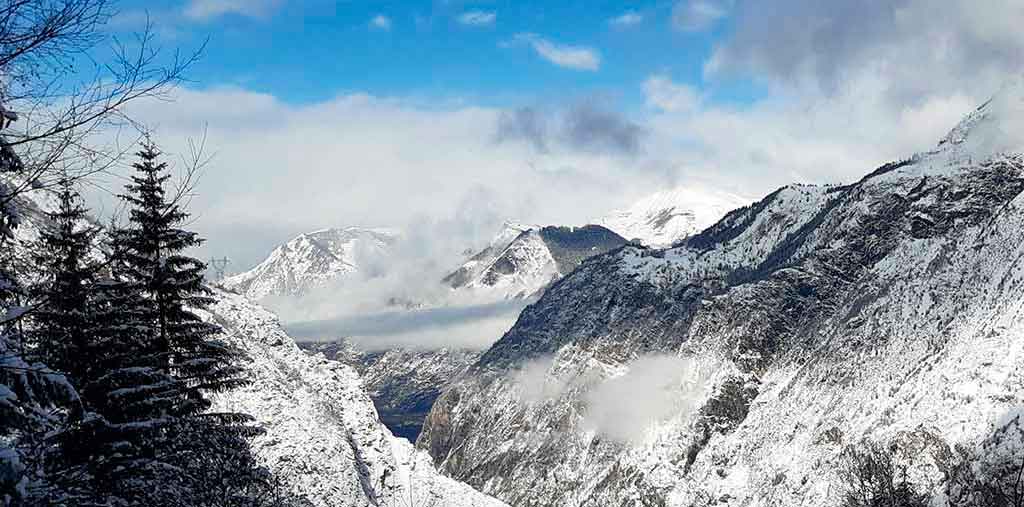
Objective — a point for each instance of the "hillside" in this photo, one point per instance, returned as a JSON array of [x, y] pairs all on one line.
[[323, 437], [736, 368]]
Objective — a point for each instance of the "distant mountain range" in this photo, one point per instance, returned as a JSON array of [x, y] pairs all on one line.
[[517, 262], [747, 364], [532, 259]]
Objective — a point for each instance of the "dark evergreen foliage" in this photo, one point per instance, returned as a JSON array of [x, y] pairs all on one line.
[[149, 253]]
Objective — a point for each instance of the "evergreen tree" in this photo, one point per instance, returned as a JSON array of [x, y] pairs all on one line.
[[62, 309], [34, 400], [150, 254], [88, 326]]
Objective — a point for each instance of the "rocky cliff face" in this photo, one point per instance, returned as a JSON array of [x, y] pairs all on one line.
[[323, 437], [735, 368], [403, 383]]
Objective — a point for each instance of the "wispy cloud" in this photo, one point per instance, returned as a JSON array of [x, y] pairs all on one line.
[[626, 20], [562, 55], [477, 18], [203, 10], [380, 22], [698, 15], [661, 93]]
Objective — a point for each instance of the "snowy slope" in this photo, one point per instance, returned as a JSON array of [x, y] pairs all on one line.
[[480, 261], [667, 217], [312, 260], [738, 366], [323, 436], [529, 262], [402, 383]]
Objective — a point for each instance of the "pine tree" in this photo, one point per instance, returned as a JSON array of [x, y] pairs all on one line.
[[151, 254], [62, 309], [88, 326]]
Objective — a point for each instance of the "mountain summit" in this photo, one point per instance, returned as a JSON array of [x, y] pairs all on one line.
[[312, 260], [669, 216]]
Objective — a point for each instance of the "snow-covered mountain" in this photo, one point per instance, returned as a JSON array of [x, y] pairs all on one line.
[[669, 216], [472, 268], [312, 260], [518, 261], [736, 368], [530, 260], [403, 383], [323, 437]]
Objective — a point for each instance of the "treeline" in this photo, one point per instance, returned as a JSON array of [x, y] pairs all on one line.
[[875, 475], [107, 369], [107, 372]]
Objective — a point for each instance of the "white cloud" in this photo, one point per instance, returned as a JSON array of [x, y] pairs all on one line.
[[807, 139], [537, 382], [907, 53], [650, 390], [627, 19], [380, 22], [661, 93], [698, 15], [477, 18], [207, 9], [281, 169], [562, 55]]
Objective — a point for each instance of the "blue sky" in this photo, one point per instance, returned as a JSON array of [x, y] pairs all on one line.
[[311, 51]]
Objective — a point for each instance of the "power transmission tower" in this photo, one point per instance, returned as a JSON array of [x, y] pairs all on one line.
[[219, 266]]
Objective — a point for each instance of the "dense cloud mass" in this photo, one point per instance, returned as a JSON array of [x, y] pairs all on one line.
[[585, 126], [919, 48], [470, 327], [279, 170]]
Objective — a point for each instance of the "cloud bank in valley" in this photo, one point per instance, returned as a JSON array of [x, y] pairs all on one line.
[[626, 402]]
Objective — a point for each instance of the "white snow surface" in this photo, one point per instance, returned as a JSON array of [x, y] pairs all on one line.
[[312, 260], [323, 436], [923, 350], [669, 216], [521, 268]]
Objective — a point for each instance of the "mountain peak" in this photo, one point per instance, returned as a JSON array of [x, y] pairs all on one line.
[[667, 216], [997, 126], [310, 260]]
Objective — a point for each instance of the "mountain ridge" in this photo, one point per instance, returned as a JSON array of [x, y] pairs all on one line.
[[803, 325]]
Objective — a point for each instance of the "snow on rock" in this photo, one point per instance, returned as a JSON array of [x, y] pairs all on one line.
[[472, 269], [312, 260], [402, 382], [530, 261], [889, 310], [669, 216], [323, 436]]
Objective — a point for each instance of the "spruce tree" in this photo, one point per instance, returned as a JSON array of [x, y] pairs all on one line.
[[151, 254], [88, 326], [34, 399], [62, 309]]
